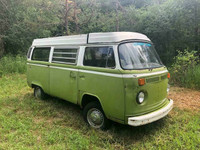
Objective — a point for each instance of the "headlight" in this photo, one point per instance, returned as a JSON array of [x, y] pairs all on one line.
[[140, 98], [168, 88]]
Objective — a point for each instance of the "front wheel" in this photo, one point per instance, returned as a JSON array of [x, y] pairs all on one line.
[[39, 93], [95, 117]]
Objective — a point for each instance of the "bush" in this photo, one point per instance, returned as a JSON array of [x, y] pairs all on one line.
[[193, 78], [186, 71], [12, 64]]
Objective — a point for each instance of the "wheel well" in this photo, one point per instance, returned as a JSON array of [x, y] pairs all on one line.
[[87, 99], [33, 86]]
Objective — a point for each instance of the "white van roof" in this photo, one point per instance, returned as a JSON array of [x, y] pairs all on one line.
[[91, 38]]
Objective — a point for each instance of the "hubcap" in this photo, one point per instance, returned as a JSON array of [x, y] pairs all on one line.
[[95, 118], [38, 93]]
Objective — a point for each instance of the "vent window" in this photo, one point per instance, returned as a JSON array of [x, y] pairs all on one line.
[[65, 56]]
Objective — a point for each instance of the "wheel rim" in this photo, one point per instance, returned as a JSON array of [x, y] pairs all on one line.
[[95, 118], [38, 93]]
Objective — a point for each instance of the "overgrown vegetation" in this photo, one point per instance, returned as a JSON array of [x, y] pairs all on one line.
[[171, 24], [186, 70], [29, 123], [12, 64]]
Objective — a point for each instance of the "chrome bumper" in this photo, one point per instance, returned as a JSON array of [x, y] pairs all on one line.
[[151, 117]]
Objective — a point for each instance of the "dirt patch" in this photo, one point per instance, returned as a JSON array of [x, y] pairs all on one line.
[[185, 98]]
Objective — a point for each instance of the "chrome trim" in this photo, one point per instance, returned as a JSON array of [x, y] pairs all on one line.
[[64, 57], [67, 53], [60, 62]]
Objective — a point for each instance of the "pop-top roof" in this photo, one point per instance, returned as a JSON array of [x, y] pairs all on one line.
[[91, 38]]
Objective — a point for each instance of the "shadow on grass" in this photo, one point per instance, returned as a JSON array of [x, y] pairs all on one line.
[[71, 116]]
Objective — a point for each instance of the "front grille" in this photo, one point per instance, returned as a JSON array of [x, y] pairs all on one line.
[[154, 79], [164, 77]]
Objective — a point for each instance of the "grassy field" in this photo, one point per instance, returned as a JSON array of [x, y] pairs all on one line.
[[29, 123]]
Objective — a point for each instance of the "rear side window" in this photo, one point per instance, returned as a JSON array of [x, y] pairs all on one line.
[[99, 57], [65, 56], [41, 54]]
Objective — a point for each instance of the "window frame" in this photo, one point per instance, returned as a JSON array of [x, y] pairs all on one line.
[[100, 46], [33, 49], [64, 48], [31, 52]]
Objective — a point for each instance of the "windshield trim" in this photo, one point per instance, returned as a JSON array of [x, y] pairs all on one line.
[[148, 42]]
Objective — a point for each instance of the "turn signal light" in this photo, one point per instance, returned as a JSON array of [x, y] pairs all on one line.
[[168, 75], [141, 81]]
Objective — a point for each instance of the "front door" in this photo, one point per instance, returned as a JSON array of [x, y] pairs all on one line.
[[98, 77]]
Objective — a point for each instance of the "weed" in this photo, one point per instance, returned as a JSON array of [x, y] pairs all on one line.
[[12, 64], [186, 70]]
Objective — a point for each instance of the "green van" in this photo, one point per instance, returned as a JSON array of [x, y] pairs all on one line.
[[114, 76]]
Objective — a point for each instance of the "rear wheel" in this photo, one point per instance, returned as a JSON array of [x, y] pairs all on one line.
[[95, 117], [39, 93]]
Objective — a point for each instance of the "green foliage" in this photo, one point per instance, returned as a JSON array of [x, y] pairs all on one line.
[[186, 70], [171, 24], [192, 79], [27, 20], [12, 64]]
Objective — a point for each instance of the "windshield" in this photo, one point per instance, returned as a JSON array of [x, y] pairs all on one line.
[[138, 55]]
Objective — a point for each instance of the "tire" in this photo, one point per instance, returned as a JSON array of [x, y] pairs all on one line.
[[99, 120], [39, 93]]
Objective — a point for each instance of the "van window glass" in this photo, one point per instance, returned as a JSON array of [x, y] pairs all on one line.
[[65, 56], [99, 57], [138, 55], [41, 54]]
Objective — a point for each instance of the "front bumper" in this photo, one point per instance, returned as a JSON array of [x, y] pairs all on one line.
[[151, 117]]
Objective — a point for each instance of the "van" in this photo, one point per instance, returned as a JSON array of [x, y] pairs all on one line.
[[114, 76]]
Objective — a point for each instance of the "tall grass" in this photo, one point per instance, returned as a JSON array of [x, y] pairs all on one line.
[[192, 79], [12, 64], [185, 71]]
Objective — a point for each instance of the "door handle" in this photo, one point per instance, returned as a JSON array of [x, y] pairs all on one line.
[[72, 75], [81, 76]]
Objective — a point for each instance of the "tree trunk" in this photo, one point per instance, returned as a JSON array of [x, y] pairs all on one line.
[[1, 48], [66, 17], [117, 16], [196, 28], [75, 16]]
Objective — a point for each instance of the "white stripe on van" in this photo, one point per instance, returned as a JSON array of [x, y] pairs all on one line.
[[102, 73], [143, 74], [107, 74], [62, 68]]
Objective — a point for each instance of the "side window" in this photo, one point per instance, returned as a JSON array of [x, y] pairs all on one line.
[[65, 56], [99, 57], [41, 54]]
